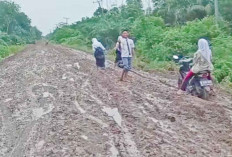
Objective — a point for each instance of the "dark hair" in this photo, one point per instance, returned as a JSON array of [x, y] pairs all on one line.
[[206, 38], [125, 30]]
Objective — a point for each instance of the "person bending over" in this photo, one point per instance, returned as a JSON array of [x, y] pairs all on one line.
[[99, 55]]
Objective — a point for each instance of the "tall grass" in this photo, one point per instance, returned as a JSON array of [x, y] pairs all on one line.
[[6, 51]]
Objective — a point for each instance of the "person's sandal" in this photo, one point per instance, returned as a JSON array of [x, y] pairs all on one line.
[[212, 92], [180, 92]]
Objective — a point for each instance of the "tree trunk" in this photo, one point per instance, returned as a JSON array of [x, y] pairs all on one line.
[[216, 9]]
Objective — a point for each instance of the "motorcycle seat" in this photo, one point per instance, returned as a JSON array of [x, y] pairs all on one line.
[[204, 72], [186, 60]]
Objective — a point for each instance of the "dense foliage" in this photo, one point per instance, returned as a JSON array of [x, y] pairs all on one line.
[[181, 11], [15, 28], [173, 28]]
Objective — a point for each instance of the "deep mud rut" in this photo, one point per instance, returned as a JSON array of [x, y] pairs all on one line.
[[53, 102]]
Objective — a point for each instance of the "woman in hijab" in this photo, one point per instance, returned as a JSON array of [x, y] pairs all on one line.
[[99, 49], [202, 61]]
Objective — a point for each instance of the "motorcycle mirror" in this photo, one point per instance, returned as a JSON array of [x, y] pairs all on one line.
[[175, 57]]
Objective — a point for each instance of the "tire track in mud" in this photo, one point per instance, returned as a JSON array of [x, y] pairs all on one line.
[[53, 102], [85, 84], [163, 104], [20, 137], [120, 102], [128, 143]]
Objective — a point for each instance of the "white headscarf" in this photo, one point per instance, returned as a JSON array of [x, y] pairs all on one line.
[[203, 47], [97, 44]]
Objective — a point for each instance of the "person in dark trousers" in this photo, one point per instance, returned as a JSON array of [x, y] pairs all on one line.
[[118, 60], [99, 55], [127, 52]]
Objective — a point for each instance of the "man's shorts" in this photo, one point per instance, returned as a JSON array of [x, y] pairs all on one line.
[[127, 63]]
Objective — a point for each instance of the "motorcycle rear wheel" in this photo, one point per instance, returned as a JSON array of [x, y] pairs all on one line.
[[205, 94]]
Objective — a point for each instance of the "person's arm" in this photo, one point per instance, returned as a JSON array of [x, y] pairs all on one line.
[[133, 52], [133, 48], [116, 46], [195, 58], [102, 47]]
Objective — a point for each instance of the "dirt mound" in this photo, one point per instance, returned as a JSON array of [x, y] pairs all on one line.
[[53, 102]]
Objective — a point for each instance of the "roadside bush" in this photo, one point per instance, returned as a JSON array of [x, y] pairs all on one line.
[[157, 44], [8, 50], [4, 51], [222, 58], [62, 34]]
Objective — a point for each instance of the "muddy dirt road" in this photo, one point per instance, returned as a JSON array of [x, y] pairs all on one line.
[[54, 103]]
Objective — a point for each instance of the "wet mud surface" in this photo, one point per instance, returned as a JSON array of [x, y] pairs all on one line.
[[54, 103]]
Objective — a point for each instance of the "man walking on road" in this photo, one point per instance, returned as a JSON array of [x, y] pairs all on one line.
[[127, 51]]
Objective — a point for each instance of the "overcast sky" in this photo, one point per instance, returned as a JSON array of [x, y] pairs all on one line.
[[45, 14]]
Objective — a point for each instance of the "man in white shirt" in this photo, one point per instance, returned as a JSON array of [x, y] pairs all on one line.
[[127, 47]]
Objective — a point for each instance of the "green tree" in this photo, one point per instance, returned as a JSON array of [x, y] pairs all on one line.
[[100, 11], [16, 25], [225, 9], [137, 3], [181, 11], [8, 12]]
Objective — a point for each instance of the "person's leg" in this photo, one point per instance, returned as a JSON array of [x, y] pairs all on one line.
[[96, 62], [186, 80], [125, 68], [129, 63], [122, 77], [209, 76], [129, 66], [104, 62], [116, 60], [126, 74], [211, 87]]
